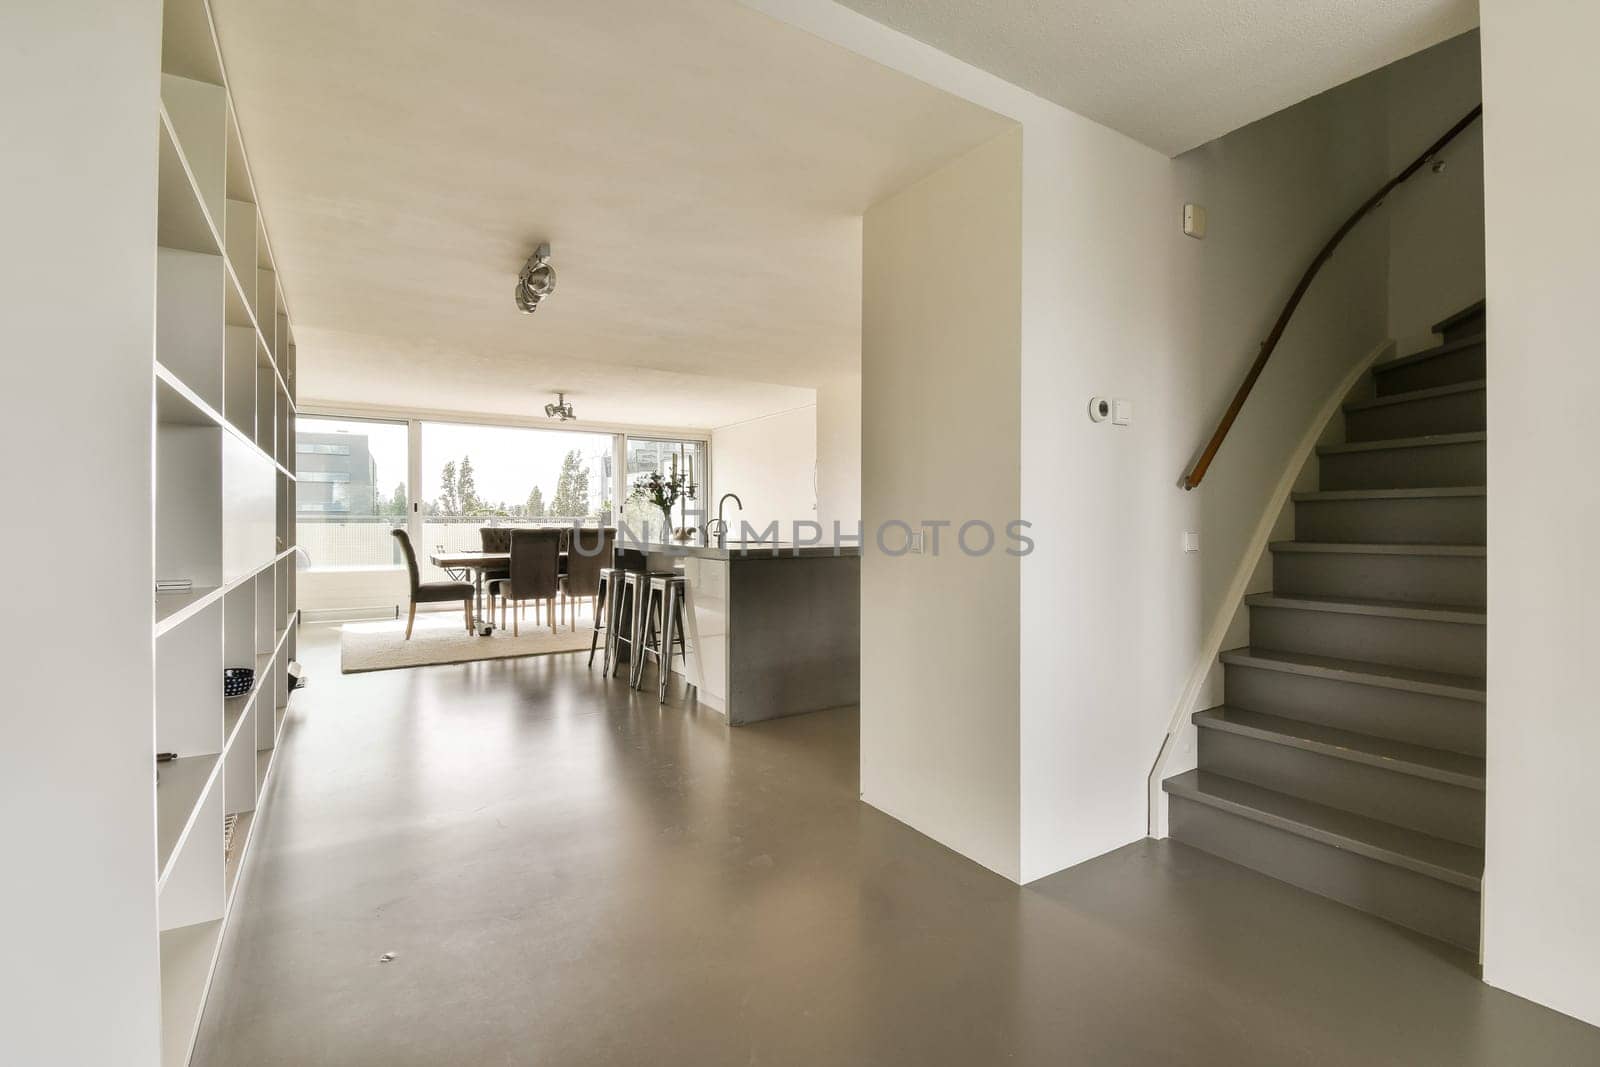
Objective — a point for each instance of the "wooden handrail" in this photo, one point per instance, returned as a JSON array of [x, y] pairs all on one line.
[[1198, 471]]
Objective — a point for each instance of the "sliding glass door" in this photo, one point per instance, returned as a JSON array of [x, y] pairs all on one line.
[[475, 475], [351, 489], [441, 481]]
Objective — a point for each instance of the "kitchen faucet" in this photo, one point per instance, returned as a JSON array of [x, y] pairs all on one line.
[[719, 524]]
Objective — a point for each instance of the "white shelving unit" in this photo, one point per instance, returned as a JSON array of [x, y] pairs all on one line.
[[224, 487]]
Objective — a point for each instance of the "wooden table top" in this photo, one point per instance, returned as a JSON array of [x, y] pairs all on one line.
[[470, 559]]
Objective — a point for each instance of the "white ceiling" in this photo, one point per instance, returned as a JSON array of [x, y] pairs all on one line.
[[699, 169], [1176, 73]]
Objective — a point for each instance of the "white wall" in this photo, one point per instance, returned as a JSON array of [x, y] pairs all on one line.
[[1115, 301], [1541, 154], [77, 792], [839, 453], [939, 711], [1436, 220], [771, 464]]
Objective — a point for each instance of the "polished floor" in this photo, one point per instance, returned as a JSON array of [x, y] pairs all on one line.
[[567, 874]]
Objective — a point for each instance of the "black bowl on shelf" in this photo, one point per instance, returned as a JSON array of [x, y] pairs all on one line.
[[236, 681]]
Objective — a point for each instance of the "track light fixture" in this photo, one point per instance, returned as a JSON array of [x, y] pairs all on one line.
[[560, 409], [537, 280]]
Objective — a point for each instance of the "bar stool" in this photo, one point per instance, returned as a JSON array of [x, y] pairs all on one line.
[[627, 621], [604, 609], [664, 602]]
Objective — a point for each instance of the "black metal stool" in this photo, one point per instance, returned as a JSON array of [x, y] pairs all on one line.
[[664, 602]]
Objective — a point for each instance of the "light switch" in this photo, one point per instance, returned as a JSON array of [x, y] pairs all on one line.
[[1191, 540], [916, 542], [1121, 412]]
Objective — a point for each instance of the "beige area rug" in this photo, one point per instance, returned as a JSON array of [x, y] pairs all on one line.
[[441, 637]]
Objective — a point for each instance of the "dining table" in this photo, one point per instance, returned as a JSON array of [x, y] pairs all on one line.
[[478, 563]]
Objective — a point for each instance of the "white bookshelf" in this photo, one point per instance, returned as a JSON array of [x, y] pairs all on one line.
[[224, 507]]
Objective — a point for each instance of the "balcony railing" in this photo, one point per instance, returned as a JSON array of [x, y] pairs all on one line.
[[352, 541]]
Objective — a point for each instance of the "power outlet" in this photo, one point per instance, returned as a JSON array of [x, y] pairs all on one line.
[[916, 542]]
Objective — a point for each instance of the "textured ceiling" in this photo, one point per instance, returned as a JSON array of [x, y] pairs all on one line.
[[1176, 73], [699, 169]]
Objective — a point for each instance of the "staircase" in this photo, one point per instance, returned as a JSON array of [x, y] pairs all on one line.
[[1348, 758]]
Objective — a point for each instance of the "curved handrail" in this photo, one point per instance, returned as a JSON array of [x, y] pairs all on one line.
[[1198, 471]]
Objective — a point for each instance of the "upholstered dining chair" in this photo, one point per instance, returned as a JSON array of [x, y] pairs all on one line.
[[430, 592], [494, 539], [535, 574], [589, 552]]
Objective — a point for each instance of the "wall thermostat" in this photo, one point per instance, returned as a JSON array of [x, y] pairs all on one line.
[[1099, 408], [1194, 221]]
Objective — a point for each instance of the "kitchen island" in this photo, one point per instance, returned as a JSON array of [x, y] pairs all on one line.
[[773, 629]]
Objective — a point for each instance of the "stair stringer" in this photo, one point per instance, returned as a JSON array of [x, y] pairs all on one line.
[[1179, 748]]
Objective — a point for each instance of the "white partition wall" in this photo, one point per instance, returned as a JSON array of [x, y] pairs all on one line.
[[77, 792], [154, 379]]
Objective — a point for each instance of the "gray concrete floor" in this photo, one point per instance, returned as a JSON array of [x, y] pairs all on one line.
[[569, 874]]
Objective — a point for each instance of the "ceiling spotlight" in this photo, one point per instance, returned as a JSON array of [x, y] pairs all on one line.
[[560, 409], [537, 280]]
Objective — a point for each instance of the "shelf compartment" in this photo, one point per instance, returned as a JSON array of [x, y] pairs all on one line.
[[239, 379], [191, 892], [285, 500], [171, 609], [189, 696], [181, 219], [233, 858], [249, 509], [266, 301], [181, 784], [266, 403], [266, 733], [188, 491], [285, 427], [264, 757], [239, 766], [265, 609], [239, 626], [188, 47], [187, 955], [240, 185], [189, 326], [198, 113], [239, 240]]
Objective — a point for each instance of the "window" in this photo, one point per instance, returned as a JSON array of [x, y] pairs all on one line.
[[350, 490], [647, 455], [474, 476]]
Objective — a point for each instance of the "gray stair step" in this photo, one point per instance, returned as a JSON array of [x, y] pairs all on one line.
[[1421, 637], [1430, 461], [1455, 515], [1447, 861], [1458, 408], [1360, 672], [1440, 711], [1461, 359], [1451, 768], [1432, 792], [1410, 878], [1453, 575], [1469, 320]]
